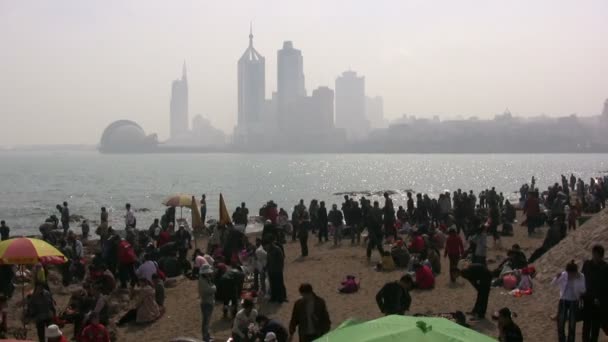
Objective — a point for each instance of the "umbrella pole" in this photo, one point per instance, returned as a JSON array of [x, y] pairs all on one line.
[[21, 267]]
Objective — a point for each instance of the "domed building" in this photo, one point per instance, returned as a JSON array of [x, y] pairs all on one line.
[[126, 136]]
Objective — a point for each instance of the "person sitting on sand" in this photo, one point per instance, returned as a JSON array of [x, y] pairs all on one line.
[[394, 297], [425, 280], [146, 309], [54, 334], [243, 319], [508, 331], [94, 331], [400, 254], [417, 244], [270, 326]]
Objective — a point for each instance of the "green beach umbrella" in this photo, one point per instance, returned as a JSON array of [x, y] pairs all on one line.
[[403, 328]]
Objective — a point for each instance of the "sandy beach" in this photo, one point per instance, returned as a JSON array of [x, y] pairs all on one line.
[[326, 266]]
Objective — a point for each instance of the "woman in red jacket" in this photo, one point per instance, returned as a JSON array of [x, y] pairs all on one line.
[[454, 250]]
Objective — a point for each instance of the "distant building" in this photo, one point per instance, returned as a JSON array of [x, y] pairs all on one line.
[[251, 85], [179, 107], [605, 111], [323, 112], [374, 111], [290, 82], [350, 105], [204, 134], [126, 136]]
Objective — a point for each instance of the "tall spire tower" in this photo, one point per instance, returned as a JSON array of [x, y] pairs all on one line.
[[251, 85], [179, 107]]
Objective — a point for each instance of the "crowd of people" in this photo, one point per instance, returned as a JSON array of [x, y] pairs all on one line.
[[236, 273]]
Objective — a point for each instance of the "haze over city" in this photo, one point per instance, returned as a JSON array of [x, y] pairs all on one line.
[[69, 68]]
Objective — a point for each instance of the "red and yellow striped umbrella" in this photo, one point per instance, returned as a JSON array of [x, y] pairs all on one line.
[[178, 200], [27, 251]]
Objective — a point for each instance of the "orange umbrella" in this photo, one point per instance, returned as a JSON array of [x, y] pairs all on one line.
[[224, 216], [28, 251]]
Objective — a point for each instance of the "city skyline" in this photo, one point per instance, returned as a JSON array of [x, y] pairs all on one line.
[[74, 68]]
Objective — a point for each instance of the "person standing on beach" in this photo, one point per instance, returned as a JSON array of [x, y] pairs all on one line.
[[274, 266], [394, 297], [595, 299], [374, 228], [203, 208], [305, 227], [65, 217], [481, 278], [309, 316], [571, 285], [410, 205], [322, 219], [335, 218], [206, 295], [5, 231], [130, 221], [532, 212], [454, 250]]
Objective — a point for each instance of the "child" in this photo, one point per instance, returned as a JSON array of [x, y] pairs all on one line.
[[350, 285], [525, 282]]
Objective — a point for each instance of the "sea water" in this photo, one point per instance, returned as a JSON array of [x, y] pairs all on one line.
[[33, 183]]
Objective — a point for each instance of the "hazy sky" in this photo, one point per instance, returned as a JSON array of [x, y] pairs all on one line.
[[70, 67]]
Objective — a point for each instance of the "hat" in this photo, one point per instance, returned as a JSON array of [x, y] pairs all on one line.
[[206, 269], [53, 331], [270, 337]]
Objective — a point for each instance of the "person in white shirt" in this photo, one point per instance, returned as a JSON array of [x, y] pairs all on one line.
[[243, 319], [571, 285], [261, 258], [130, 220], [147, 269]]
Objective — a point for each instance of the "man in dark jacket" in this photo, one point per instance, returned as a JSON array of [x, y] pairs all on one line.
[[394, 297], [270, 325], [481, 278], [374, 228], [595, 299], [322, 217], [309, 315], [274, 267], [335, 218]]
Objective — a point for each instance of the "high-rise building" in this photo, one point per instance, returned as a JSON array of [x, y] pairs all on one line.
[[605, 111], [350, 105], [323, 108], [251, 85], [290, 81], [179, 107], [374, 110]]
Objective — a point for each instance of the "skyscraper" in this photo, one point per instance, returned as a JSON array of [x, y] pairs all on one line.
[[290, 80], [251, 85], [323, 108], [350, 105], [374, 111], [179, 107]]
